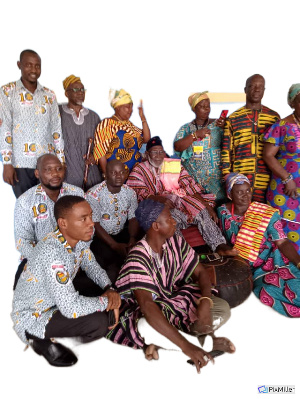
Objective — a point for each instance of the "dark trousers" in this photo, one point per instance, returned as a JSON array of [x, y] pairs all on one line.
[[26, 179]]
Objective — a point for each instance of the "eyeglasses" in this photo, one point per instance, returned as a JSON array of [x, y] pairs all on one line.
[[77, 89], [154, 152]]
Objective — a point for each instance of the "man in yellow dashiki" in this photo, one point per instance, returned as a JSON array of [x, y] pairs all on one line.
[[242, 146]]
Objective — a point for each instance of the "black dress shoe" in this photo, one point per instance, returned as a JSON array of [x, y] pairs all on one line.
[[56, 354]]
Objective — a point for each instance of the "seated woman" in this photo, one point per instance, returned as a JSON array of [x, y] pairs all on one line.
[[281, 154], [118, 138], [255, 230], [198, 144]]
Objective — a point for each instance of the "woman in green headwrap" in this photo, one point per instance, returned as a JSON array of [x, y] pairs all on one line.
[[198, 144], [282, 155]]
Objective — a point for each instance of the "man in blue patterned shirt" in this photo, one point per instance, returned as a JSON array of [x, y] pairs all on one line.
[[31, 124]]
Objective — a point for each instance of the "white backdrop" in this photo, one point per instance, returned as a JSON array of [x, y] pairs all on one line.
[[159, 51]]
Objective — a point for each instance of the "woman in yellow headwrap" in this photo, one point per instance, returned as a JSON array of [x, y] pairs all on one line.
[[198, 144], [117, 137]]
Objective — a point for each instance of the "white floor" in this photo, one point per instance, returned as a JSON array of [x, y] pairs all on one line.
[[267, 354]]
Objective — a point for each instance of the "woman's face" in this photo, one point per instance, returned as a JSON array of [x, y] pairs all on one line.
[[202, 110], [124, 111], [296, 105], [241, 194]]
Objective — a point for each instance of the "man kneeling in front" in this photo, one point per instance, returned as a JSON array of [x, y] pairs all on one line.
[[163, 281], [46, 304]]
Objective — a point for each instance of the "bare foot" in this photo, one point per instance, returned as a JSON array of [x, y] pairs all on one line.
[[226, 250], [151, 352], [223, 344]]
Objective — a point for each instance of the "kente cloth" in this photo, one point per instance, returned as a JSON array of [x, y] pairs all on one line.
[[70, 80], [119, 140], [206, 170], [243, 147], [286, 136], [276, 281], [251, 233], [77, 131], [145, 182], [31, 125], [46, 285], [167, 278], [169, 175]]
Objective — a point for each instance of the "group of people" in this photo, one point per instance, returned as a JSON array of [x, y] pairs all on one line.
[[98, 223]]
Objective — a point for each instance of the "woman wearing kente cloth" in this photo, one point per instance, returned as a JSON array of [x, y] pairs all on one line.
[[118, 138], [255, 230], [282, 154], [198, 144]]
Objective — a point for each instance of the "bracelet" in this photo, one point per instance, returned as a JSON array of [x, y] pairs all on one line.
[[289, 178], [144, 121], [210, 300], [195, 138], [298, 265]]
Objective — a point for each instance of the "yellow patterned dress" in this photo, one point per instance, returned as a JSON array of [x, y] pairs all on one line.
[[119, 140], [242, 147]]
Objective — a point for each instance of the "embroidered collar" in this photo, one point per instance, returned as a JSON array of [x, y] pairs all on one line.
[[82, 113], [58, 235]]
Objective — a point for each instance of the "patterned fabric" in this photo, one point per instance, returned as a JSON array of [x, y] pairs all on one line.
[[46, 285], [76, 132], [242, 147], [112, 210], [31, 125], [119, 140], [286, 136], [232, 179], [70, 80], [119, 97], [276, 281], [34, 216], [187, 209], [251, 233], [195, 98], [205, 170], [168, 280]]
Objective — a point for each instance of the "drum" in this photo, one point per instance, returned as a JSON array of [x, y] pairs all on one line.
[[231, 277]]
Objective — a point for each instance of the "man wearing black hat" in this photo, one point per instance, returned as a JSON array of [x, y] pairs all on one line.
[[180, 193], [164, 281]]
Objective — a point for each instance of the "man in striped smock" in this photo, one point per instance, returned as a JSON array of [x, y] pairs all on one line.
[[242, 146]]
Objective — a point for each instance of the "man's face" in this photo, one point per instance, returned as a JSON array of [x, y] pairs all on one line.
[[166, 223], [156, 155], [124, 111], [255, 89], [51, 173], [202, 109], [79, 225], [76, 97], [30, 67], [241, 194], [115, 174]]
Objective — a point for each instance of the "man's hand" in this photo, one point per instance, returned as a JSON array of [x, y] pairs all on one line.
[[117, 313], [9, 174], [197, 355], [90, 160], [114, 299]]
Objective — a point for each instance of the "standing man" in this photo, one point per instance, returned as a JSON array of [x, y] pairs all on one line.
[[78, 125], [31, 124], [242, 148]]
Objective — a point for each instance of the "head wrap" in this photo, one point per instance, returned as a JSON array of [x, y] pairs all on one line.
[[234, 178], [119, 97], [195, 98], [293, 93], [70, 80], [153, 142], [148, 212]]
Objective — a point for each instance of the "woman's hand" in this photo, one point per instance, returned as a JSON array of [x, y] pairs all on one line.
[[141, 111], [220, 122], [291, 189], [201, 133]]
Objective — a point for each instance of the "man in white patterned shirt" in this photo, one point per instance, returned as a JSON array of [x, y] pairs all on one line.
[[34, 210], [46, 304], [31, 124], [113, 204]]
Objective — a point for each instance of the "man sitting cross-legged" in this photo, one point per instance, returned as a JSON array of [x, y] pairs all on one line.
[[164, 281], [113, 204], [46, 304], [189, 206]]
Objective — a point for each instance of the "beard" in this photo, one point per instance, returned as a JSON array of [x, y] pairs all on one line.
[[155, 164], [52, 188]]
